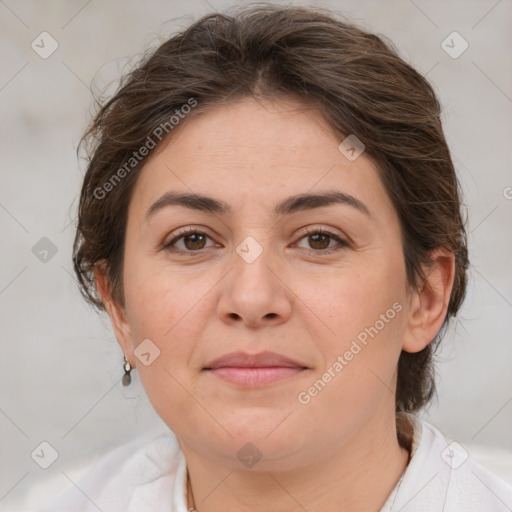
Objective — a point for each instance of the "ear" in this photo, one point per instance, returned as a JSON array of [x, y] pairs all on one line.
[[428, 306], [115, 311]]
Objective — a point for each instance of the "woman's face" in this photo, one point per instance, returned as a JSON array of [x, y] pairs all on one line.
[[319, 281]]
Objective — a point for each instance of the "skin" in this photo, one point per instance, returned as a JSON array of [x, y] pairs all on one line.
[[340, 451]]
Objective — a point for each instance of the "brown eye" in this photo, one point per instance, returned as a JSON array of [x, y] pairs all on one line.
[[195, 241], [321, 241], [190, 241]]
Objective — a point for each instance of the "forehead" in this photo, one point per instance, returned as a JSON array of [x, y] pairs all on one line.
[[249, 152]]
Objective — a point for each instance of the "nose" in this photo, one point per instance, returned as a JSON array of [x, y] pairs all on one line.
[[255, 293]]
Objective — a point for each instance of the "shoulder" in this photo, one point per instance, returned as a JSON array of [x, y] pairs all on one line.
[[443, 476], [137, 474], [472, 486]]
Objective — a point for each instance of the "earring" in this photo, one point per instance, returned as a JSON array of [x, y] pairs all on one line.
[[127, 369]]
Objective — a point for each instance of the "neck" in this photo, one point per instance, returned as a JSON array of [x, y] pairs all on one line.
[[358, 476]]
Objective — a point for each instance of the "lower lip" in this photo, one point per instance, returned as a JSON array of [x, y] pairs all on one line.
[[255, 377]]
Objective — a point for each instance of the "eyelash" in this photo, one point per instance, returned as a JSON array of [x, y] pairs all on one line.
[[312, 231]]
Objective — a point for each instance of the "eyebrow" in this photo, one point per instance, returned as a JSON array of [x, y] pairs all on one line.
[[293, 204]]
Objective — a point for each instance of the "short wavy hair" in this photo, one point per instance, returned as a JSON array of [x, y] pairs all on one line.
[[356, 79]]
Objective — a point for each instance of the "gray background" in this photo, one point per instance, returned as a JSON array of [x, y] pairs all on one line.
[[61, 366]]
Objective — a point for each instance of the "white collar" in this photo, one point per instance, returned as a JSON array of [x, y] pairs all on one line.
[[180, 486]]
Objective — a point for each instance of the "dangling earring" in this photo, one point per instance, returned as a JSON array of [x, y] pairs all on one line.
[[127, 369]]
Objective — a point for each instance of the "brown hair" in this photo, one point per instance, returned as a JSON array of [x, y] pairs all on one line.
[[356, 79]]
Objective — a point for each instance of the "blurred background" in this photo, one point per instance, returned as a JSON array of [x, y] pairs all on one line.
[[61, 366]]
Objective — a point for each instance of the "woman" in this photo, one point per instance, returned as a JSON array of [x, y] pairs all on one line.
[[271, 219]]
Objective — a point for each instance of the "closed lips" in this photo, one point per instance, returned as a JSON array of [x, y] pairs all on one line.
[[254, 370], [260, 360]]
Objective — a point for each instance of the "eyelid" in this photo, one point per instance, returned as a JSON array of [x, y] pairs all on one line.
[[319, 229]]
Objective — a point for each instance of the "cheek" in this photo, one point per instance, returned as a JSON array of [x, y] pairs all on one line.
[[171, 309], [365, 311], [162, 315], [356, 297], [151, 309], [156, 297], [360, 359]]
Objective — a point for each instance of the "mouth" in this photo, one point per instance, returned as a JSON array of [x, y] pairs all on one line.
[[254, 370], [255, 377]]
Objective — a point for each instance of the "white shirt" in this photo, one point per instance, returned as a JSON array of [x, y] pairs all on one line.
[[135, 477]]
